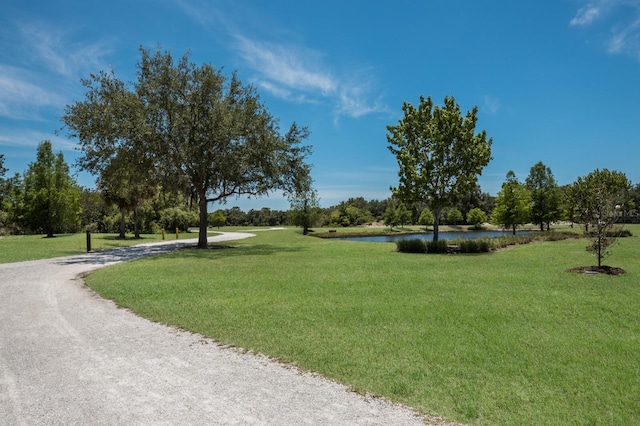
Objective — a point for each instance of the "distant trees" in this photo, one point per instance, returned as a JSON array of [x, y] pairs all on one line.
[[305, 205], [513, 204], [546, 196], [204, 133], [439, 154], [50, 198], [426, 217], [454, 216], [217, 219], [476, 217]]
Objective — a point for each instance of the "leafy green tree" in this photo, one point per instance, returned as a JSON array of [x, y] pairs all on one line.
[[426, 217], [204, 133], [403, 214], [454, 216], [390, 216], [439, 154], [476, 217], [513, 204], [217, 218], [304, 207], [124, 184], [601, 195], [51, 196], [545, 195]]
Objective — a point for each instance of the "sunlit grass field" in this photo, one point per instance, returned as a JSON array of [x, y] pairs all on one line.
[[18, 248], [501, 338]]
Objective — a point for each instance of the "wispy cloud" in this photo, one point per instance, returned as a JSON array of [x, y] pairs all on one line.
[[31, 138], [622, 20], [44, 77], [21, 99], [491, 105], [56, 50], [585, 15], [285, 69], [299, 74]]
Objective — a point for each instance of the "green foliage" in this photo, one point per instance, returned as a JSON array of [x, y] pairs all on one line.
[[50, 198], [390, 215], [513, 204], [546, 196], [177, 217], [217, 218], [476, 217], [439, 154], [438, 246], [454, 216], [426, 217], [348, 215], [598, 198], [203, 132], [304, 206], [414, 245], [482, 245]]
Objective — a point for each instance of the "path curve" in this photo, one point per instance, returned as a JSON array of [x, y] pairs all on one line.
[[67, 356]]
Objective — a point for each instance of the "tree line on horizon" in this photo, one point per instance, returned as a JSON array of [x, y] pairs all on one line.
[[25, 206]]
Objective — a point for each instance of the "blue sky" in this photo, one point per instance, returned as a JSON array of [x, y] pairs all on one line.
[[556, 81]]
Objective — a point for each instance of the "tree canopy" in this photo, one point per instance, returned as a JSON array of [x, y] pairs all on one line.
[[50, 196], [545, 195], [439, 153], [198, 130], [513, 204]]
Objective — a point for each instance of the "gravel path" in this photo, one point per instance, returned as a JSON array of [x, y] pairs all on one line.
[[69, 357]]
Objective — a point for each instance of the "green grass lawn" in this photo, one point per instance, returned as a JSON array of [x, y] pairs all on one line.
[[499, 338], [18, 248]]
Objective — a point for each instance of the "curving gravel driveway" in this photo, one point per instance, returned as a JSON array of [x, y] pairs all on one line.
[[69, 357]]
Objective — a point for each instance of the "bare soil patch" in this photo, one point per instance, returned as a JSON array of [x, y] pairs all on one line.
[[608, 270]]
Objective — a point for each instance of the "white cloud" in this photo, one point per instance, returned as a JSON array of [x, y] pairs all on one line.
[[298, 74], [282, 65], [585, 15], [26, 138], [491, 105], [621, 17], [59, 54], [22, 99]]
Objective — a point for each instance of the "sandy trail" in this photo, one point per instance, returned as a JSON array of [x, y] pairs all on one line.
[[68, 357]]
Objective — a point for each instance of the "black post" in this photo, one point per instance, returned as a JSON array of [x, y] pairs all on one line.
[[88, 241]]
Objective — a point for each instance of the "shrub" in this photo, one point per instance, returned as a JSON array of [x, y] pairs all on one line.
[[415, 245], [474, 246], [440, 246]]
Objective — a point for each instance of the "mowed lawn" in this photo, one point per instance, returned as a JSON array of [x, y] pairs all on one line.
[[499, 338], [18, 248]]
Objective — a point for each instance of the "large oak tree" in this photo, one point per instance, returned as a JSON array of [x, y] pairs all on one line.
[[439, 153], [202, 131]]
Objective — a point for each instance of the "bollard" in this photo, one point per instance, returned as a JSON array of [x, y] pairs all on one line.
[[177, 233], [162, 234], [88, 241]]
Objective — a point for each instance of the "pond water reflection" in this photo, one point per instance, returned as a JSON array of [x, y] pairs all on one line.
[[429, 236]]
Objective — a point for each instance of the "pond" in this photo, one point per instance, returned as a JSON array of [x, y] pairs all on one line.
[[429, 236]]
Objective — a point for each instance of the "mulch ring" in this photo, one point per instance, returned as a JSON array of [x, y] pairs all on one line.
[[608, 270]]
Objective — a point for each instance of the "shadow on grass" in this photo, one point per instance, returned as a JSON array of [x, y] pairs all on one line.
[[179, 248], [222, 250]]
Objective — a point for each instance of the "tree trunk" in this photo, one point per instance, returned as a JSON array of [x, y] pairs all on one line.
[[542, 225], [436, 224], [136, 228], [202, 232], [514, 229], [122, 211]]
